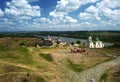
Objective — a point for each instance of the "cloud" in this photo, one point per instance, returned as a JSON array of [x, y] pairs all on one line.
[[64, 7], [57, 14], [89, 16], [21, 15], [101, 10], [91, 13], [1, 13], [92, 9], [70, 19], [67, 5], [85, 16], [110, 10], [109, 3], [112, 14], [21, 8]]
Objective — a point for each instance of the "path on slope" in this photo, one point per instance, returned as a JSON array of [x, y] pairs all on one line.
[[33, 69], [95, 72]]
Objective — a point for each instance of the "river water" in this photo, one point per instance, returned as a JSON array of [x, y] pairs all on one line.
[[69, 40]]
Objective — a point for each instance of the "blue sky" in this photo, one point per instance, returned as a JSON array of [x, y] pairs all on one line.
[[59, 15]]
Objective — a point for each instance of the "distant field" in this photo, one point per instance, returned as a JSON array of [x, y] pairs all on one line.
[[103, 35]]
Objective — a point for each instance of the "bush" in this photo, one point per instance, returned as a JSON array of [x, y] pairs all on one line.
[[78, 42]]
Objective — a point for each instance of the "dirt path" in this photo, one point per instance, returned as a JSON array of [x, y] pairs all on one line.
[[95, 72], [32, 69], [19, 65]]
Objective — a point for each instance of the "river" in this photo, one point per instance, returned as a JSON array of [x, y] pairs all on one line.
[[69, 40]]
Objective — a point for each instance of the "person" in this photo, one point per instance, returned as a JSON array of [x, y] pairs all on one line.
[[78, 50], [74, 50]]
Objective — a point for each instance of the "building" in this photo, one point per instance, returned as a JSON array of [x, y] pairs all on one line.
[[95, 44], [54, 41]]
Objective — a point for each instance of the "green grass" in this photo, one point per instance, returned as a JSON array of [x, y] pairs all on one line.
[[22, 78], [18, 55], [40, 79], [75, 67], [47, 57], [103, 77]]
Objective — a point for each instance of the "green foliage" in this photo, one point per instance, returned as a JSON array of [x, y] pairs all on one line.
[[72, 43], [25, 43], [47, 57], [75, 67], [78, 42], [116, 45]]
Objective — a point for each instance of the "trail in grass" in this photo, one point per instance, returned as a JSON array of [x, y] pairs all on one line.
[[95, 72], [32, 69]]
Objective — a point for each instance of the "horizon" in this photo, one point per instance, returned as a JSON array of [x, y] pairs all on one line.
[[59, 15], [62, 31]]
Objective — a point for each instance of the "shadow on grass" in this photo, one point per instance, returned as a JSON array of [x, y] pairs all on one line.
[[47, 57], [75, 67], [40, 79], [103, 78]]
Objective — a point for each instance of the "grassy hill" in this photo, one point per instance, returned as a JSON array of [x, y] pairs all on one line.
[[30, 64]]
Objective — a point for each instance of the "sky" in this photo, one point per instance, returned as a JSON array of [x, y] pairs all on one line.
[[59, 15]]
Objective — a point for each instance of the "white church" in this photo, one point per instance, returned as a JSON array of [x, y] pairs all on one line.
[[96, 44]]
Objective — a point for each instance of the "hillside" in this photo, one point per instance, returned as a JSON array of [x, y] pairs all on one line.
[[48, 64]]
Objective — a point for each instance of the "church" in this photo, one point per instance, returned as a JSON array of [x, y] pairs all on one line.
[[95, 44]]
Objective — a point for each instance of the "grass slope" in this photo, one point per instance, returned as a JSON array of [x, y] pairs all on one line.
[[31, 64]]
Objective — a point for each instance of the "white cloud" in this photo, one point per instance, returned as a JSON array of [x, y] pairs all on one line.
[[85, 16], [112, 14], [21, 8], [42, 20], [1, 13], [66, 19], [57, 14], [65, 6], [60, 15], [89, 16], [70, 19], [109, 3], [106, 8], [23, 16], [92, 9]]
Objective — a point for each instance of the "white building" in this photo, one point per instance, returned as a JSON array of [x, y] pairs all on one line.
[[96, 44]]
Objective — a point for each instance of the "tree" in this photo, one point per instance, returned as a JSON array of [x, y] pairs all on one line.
[[84, 44], [72, 43], [78, 42]]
